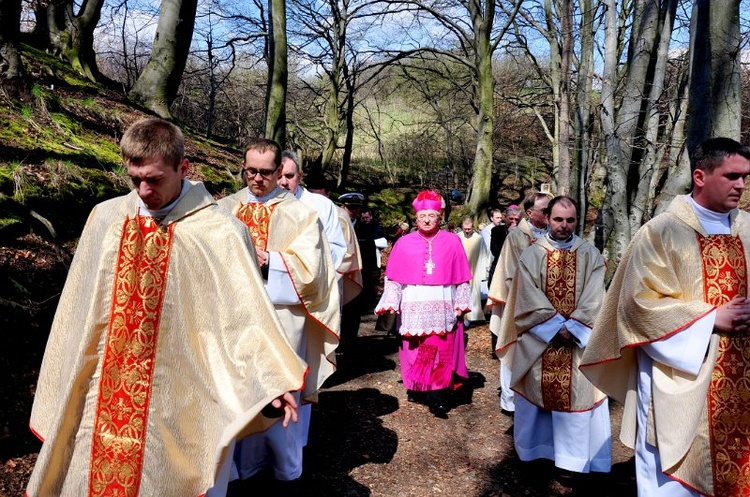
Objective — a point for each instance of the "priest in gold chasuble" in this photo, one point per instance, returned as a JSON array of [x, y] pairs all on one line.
[[300, 279], [671, 341], [529, 230], [164, 348], [556, 293]]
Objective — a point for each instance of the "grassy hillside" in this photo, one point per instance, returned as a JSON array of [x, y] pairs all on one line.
[[59, 153]]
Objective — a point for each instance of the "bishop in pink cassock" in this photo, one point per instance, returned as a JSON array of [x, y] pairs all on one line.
[[428, 285]]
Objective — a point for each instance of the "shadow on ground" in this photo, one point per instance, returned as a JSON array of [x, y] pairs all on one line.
[[541, 478], [345, 432], [370, 355]]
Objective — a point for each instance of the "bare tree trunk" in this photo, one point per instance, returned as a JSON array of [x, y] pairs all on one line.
[[715, 99], [156, 87], [349, 120], [72, 36], [615, 211], [678, 170], [583, 116], [482, 178], [12, 75], [653, 149], [555, 84], [277, 73], [566, 56]]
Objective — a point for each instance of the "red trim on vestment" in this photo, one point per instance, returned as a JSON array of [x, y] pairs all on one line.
[[36, 433], [638, 344]]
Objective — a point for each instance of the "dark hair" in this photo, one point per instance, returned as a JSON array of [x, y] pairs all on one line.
[[562, 200], [711, 153], [263, 145], [531, 199]]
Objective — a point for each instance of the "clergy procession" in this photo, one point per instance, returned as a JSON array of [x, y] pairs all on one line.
[[194, 335]]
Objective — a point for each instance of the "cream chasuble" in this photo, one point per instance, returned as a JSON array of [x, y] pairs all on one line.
[[551, 283], [515, 243], [285, 225], [350, 270], [147, 379], [476, 252], [672, 275]]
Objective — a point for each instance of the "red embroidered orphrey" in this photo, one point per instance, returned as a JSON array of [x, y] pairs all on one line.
[[121, 416], [257, 217], [724, 277]]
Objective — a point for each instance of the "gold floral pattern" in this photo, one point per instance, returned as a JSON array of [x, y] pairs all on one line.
[[560, 286], [257, 217], [557, 360], [725, 276], [557, 377], [119, 434]]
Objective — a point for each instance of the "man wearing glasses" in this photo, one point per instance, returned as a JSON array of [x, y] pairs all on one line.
[[299, 276], [528, 231]]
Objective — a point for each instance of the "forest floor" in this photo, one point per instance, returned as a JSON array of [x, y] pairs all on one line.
[[366, 439]]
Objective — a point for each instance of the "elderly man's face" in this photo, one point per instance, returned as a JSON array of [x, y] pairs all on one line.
[[468, 229], [536, 214], [512, 219], [428, 221], [290, 176]]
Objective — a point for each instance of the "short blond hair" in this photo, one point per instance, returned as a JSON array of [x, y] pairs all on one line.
[[152, 138]]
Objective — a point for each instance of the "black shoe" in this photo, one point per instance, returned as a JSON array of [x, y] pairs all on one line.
[[411, 397], [439, 411]]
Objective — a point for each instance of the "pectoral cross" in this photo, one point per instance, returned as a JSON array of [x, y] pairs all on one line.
[[429, 266]]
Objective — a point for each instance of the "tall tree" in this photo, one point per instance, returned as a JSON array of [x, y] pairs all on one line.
[[11, 68], [331, 37], [567, 74], [715, 99], [277, 73], [156, 87], [476, 29], [70, 35], [629, 143]]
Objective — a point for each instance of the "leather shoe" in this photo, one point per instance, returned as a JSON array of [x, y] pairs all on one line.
[[439, 411]]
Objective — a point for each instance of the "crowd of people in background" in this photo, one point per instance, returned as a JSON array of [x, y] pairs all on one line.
[[193, 334]]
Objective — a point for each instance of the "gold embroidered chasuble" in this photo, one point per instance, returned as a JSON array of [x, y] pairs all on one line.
[[550, 282], [515, 243], [350, 270], [672, 275], [147, 378], [292, 229]]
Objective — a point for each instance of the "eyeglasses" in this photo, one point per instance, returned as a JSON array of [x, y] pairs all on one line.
[[423, 217], [252, 172]]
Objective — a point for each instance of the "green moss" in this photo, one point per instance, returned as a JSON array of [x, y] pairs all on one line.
[[9, 221], [596, 197], [393, 205]]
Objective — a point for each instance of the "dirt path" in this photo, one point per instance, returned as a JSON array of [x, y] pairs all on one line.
[[366, 439]]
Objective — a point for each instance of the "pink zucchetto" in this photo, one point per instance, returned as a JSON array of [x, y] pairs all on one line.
[[428, 200]]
